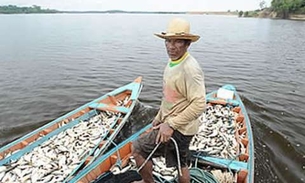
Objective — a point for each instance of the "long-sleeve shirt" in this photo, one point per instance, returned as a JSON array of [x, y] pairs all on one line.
[[183, 95]]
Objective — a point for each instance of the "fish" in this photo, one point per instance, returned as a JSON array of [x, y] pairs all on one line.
[[217, 130], [57, 157]]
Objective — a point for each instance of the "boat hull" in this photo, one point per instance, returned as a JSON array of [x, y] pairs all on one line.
[[119, 103], [242, 164]]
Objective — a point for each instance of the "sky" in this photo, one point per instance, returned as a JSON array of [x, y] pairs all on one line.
[[141, 5]]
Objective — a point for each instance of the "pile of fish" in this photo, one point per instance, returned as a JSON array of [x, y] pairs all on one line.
[[224, 176], [170, 174], [122, 102], [160, 169], [216, 135], [56, 158], [118, 169]]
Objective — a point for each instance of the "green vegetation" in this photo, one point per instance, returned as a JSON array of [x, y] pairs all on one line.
[[11, 9], [254, 13], [285, 7]]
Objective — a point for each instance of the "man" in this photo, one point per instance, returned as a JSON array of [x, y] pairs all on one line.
[[183, 102]]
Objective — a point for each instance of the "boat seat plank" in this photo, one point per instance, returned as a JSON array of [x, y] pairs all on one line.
[[134, 95], [232, 164], [112, 108], [233, 102], [122, 109]]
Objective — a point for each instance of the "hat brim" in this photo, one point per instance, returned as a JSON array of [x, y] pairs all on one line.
[[191, 37]]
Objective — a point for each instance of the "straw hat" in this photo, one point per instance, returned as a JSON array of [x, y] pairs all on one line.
[[178, 29]]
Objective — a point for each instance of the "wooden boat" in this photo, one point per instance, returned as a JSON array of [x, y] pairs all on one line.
[[119, 103], [241, 167]]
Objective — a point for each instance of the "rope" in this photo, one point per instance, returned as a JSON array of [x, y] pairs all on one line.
[[178, 156], [119, 161], [154, 150], [214, 177], [199, 176]]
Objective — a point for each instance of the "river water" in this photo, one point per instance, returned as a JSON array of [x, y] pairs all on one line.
[[52, 64]]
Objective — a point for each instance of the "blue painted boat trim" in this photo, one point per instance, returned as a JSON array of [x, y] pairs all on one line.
[[36, 143], [122, 109], [97, 105], [230, 101], [118, 108], [108, 154], [231, 164], [112, 136], [134, 87], [94, 148], [250, 163]]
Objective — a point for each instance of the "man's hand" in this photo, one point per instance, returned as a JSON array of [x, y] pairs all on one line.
[[155, 123], [164, 134]]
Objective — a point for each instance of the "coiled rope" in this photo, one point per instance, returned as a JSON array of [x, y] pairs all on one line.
[[198, 175]]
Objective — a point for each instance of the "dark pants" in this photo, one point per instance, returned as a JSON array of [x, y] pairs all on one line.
[[145, 145]]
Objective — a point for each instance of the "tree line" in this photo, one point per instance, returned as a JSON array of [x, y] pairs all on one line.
[[12, 9], [284, 7]]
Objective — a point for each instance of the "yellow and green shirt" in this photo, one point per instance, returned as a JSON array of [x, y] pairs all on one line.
[[183, 95]]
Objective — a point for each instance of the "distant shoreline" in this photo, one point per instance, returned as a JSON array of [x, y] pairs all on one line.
[[264, 13], [13, 9], [300, 17], [158, 12], [126, 12]]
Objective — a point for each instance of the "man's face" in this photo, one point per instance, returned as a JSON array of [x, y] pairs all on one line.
[[176, 48]]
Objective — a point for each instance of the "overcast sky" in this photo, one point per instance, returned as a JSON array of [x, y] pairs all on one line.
[[141, 5]]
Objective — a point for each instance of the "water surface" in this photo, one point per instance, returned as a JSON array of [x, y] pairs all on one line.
[[52, 64]]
